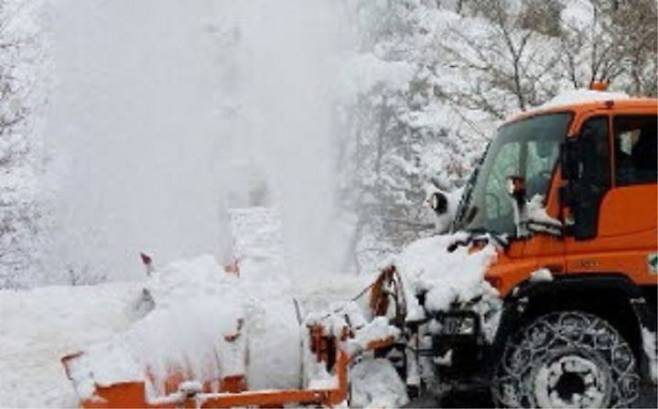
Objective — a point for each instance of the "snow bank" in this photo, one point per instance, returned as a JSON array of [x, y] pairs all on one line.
[[376, 384]]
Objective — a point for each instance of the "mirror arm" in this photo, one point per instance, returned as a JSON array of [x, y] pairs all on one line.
[[517, 194]]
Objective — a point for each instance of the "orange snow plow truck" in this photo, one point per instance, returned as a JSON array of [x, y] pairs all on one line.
[[577, 281]]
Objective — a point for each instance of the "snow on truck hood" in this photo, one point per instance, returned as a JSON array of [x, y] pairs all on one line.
[[447, 277]]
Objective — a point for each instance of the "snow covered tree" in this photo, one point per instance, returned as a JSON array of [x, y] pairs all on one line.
[[20, 147], [504, 54], [432, 78], [401, 132], [611, 40]]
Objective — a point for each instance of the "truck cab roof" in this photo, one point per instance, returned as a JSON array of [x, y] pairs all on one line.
[[586, 100]]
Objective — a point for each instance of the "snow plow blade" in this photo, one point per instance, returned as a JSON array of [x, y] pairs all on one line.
[[326, 349]]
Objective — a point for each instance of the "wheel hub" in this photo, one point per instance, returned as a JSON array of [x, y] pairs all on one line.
[[571, 380]]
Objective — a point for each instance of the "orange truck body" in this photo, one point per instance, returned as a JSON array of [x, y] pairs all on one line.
[[592, 254], [627, 223]]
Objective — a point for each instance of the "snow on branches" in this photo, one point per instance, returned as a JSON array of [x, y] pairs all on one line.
[[21, 58]]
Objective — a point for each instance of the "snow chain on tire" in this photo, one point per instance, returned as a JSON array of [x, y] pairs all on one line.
[[566, 359]]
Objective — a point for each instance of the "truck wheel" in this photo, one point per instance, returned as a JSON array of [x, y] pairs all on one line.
[[566, 359]]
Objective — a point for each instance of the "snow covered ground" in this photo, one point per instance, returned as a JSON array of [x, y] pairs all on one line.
[[40, 326]]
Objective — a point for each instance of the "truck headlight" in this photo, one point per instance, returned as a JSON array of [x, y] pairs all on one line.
[[458, 325], [467, 326]]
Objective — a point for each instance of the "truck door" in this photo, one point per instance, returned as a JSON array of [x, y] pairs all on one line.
[[617, 211]]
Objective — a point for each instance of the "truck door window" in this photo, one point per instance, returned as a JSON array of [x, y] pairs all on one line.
[[594, 178], [596, 159], [636, 156]]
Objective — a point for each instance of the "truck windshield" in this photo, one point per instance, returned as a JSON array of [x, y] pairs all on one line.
[[527, 148]]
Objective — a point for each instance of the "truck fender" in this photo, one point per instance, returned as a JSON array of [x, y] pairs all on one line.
[[610, 295]]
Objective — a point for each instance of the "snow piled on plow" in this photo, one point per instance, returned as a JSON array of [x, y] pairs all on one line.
[[198, 307]]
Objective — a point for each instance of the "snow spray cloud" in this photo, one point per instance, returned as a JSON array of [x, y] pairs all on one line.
[[283, 76], [163, 106]]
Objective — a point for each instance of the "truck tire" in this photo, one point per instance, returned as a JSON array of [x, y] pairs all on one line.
[[566, 359]]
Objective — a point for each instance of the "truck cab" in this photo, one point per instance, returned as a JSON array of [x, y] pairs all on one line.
[[582, 333]]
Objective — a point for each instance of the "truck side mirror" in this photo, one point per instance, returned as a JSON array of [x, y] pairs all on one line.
[[438, 201], [517, 191]]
